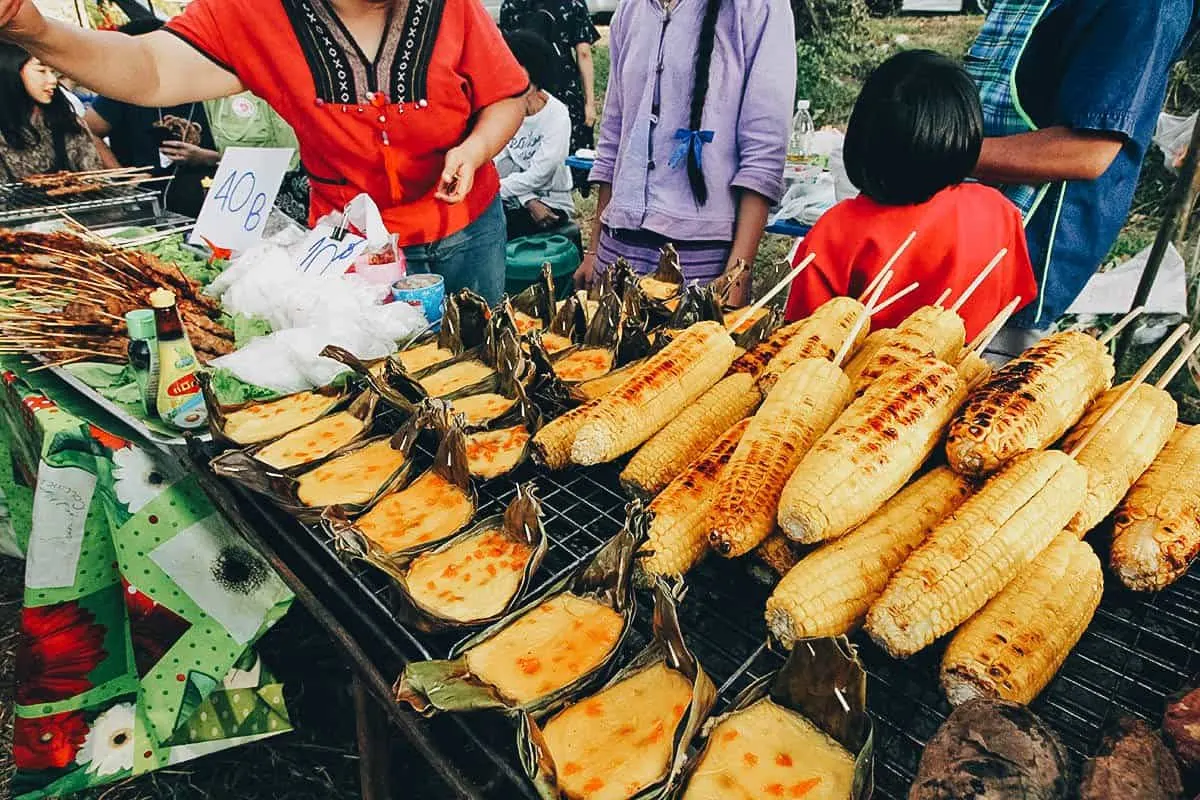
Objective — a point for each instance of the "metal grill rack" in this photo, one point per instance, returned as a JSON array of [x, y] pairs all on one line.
[[1137, 651], [20, 203]]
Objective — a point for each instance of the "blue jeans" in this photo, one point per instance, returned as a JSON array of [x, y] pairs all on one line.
[[472, 259]]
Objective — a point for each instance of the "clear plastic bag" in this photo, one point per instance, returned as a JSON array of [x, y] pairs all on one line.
[[1172, 135]]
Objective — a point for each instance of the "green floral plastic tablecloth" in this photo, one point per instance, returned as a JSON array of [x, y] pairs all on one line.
[[141, 606]]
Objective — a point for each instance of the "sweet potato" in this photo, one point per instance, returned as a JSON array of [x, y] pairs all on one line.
[[992, 750], [1132, 763], [1181, 726]]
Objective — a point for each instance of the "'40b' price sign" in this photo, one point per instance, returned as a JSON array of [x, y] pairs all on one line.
[[242, 194]]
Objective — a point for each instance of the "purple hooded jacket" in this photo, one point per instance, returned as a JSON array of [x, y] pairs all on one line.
[[748, 109]]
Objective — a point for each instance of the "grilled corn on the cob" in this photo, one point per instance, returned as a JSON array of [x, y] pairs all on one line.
[[871, 451], [828, 592], [678, 535], [927, 331], [807, 398], [823, 334], [689, 434], [658, 391], [755, 360], [598, 387], [1028, 403], [866, 352], [1011, 649], [1157, 532], [1122, 451], [974, 553], [778, 555], [552, 444]]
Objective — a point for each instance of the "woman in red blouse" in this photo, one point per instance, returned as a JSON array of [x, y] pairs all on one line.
[[406, 100]]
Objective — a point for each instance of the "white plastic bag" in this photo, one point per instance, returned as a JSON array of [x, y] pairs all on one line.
[[1172, 135]]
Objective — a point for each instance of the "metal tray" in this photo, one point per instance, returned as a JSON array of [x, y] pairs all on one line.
[[1138, 650]]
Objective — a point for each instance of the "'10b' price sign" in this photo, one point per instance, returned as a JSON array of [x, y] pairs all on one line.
[[324, 253], [242, 194]]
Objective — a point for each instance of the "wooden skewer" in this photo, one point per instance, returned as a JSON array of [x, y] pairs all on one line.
[[897, 297], [1138, 378], [62, 363], [1179, 363], [1121, 325], [979, 279], [941, 301], [139, 181], [891, 262], [852, 337], [992, 329], [24, 351], [779, 287]]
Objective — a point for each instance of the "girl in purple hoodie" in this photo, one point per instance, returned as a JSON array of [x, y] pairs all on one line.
[[694, 133]]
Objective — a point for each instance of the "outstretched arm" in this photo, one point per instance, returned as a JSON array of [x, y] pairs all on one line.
[[1051, 154], [156, 69]]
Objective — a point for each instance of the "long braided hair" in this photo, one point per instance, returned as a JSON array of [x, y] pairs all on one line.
[[704, 51]]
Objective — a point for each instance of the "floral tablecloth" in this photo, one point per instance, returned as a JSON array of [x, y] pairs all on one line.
[[141, 604]]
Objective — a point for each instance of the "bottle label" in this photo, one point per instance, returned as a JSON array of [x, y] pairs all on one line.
[[185, 361], [184, 386], [190, 414]]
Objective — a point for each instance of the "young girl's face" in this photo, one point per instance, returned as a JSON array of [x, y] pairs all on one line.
[[40, 81]]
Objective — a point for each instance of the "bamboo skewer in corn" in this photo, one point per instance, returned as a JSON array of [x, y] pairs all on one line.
[[896, 298], [887, 267], [776, 289], [1179, 363], [979, 279], [941, 301], [980, 343], [1122, 324]]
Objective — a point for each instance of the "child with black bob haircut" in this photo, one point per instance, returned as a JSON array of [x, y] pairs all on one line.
[[913, 140]]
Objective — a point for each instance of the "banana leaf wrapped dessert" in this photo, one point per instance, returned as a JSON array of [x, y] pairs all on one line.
[[473, 578], [461, 328], [433, 507], [505, 446], [533, 309], [666, 282], [561, 642], [630, 738], [262, 421], [294, 452], [597, 354], [801, 732], [568, 327]]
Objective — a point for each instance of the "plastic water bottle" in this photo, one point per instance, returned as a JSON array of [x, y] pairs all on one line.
[[801, 141]]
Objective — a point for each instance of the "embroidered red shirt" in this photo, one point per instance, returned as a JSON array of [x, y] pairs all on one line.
[[384, 126], [959, 231]]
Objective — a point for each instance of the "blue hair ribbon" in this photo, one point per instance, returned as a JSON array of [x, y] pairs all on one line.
[[689, 141]]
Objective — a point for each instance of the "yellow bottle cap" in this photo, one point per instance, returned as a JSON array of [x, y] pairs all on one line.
[[162, 298]]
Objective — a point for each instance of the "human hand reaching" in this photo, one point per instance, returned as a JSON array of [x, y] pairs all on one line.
[[586, 271], [185, 153], [458, 173]]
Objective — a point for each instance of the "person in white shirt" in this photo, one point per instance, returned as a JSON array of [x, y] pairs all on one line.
[[535, 183]]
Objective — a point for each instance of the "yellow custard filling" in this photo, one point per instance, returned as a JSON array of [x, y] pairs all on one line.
[[351, 478], [423, 356], [428, 510], [263, 422], [491, 454], [474, 579], [480, 409], [454, 377], [547, 648], [312, 442], [583, 365]]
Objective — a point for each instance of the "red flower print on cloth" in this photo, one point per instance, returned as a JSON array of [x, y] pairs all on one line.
[[57, 648], [48, 742], [107, 439], [153, 628]]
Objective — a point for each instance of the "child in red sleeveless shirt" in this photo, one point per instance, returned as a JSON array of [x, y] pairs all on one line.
[[913, 139]]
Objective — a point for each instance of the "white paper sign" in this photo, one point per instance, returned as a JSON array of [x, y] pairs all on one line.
[[242, 194], [322, 254], [60, 509]]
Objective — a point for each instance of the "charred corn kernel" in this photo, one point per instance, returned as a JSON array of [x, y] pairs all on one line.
[[654, 394], [755, 360], [1122, 451], [829, 591], [1157, 532], [866, 352], [967, 559], [871, 451], [928, 331], [552, 444], [807, 398], [778, 554], [678, 536], [973, 370], [689, 434], [1028, 403], [1011, 649], [822, 336]]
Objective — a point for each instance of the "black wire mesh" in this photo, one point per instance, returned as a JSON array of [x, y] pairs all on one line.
[[19, 202], [1137, 651]]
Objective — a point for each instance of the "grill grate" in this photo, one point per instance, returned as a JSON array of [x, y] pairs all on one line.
[[1138, 649], [19, 202]]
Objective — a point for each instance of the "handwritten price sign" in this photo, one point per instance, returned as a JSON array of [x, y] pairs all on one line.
[[322, 253], [242, 194]]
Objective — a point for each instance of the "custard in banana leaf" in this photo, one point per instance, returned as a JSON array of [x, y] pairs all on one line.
[[587, 304], [433, 507], [496, 452], [319, 440], [560, 643], [473, 578], [597, 354], [630, 739], [533, 308], [598, 387], [569, 326], [802, 732], [452, 338], [666, 281], [352, 479], [474, 373], [501, 408], [264, 420], [615, 279], [696, 304]]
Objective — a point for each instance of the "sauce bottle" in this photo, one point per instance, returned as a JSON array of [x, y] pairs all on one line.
[[143, 356], [179, 400]]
